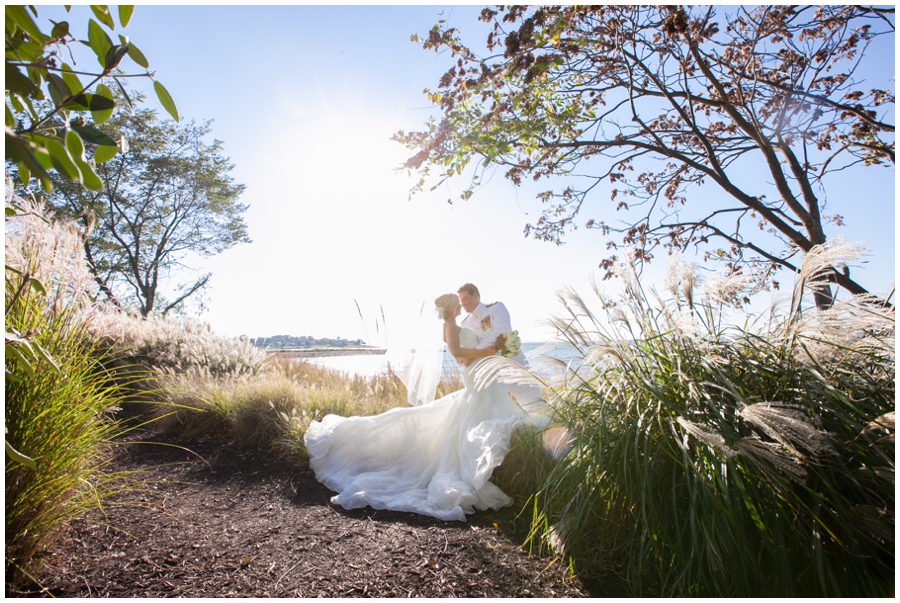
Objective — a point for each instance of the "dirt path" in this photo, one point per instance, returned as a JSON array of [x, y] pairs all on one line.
[[235, 525]]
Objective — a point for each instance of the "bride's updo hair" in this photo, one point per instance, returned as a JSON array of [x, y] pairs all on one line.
[[446, 304]]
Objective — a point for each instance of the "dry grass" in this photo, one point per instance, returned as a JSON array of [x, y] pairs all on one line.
[[271, 410]]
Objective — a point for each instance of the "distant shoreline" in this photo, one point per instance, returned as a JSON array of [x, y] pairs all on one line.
[[317, 352]]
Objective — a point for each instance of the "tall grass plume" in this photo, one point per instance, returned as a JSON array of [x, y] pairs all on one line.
[[710, 459]]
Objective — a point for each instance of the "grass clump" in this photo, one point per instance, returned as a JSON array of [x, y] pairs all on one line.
[[716, 460], [139, 350], [269, 410], [175, 344], [58, 402]]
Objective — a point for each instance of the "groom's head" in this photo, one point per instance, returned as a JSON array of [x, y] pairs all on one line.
[[469, 297]]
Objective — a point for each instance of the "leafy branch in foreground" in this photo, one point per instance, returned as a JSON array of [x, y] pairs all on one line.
[[41, 137]]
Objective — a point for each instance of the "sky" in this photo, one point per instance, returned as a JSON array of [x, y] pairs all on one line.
[[305, 99]]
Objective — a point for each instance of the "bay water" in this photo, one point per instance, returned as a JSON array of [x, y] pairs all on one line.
[[370, 365]]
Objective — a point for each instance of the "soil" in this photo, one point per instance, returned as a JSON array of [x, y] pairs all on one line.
[[217, 521]]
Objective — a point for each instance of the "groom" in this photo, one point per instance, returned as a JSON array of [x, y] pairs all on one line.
[[488, 321]]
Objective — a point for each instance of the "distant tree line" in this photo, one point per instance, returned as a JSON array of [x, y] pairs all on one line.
[[280, 342]]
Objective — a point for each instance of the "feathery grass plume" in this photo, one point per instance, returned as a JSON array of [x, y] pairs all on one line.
[[178, 344], [789, 425], [50, 251], [141, 351], [714, 459], [58, 401], [681, 279], [817, 262]]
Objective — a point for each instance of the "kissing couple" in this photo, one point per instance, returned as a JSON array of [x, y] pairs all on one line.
[[436, 457]]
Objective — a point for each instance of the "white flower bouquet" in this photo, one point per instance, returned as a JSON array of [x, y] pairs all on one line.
[[508, 344]]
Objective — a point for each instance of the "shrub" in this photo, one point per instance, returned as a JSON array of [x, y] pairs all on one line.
[[717, 460], [175, 344]]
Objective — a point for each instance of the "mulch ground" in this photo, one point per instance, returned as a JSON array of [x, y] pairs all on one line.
[[234, 524]]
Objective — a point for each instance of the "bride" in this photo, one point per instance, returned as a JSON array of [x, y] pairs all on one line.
[[434, 459]]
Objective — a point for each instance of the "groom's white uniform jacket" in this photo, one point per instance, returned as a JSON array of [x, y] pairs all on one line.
[[488, 321]]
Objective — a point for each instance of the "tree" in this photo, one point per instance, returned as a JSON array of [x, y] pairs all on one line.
[[45, 136], [168, 195], [660, 99]]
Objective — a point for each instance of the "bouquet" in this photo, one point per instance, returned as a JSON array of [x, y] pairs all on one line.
[[508, 344]]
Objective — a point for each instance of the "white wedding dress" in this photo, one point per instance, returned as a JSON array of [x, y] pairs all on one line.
[[435, 459]]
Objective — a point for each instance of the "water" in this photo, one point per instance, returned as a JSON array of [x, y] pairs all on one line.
[[370, 365]]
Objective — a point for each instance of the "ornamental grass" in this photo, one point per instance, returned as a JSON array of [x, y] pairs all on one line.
[[174, 344], [708, 459], [58, 400], [270, 410]]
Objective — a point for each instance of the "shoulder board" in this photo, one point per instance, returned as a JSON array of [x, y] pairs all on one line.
[[489, 305]]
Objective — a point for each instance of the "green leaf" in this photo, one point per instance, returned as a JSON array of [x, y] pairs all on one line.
[[19, 457], [14, 99], [25, 50], [24, 151], [18, 15], [75, 147], [80, 102], [60, 30], [98, 102], [29, 105], [38, 286], [45, 355], [91, 135], [91, 102], [91, 179], [18, 83], [102, 13], [59, 89], [101, 115], [125, 14], [10, 118], [124, 95], [136, 55], [71, 79], [42, 156], [104, 153], [14, 353], [98, 41], [168, 104], [62, 159], [115, 56], [24, 173]]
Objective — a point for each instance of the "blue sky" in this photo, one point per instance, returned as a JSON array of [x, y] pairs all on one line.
[[305, 99]]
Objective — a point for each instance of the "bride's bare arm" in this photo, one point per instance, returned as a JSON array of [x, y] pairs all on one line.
[[451, 337]]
